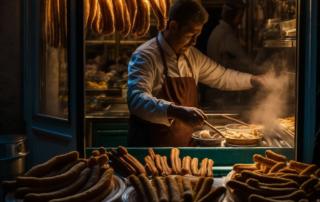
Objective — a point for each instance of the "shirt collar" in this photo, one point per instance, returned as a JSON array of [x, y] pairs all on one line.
[[167, 48], [225, 25]]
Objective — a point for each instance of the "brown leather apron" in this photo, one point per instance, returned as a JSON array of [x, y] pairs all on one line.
[[182, 91]]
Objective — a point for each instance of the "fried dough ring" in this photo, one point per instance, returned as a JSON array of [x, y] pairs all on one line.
[[41, 169], [105, 181], [264, 179], [276, 157], [166, 165], [103, 159], [158, 13], [132, 8], [168, 4], [107, 17], [121, 166], [174, 194], [186, 163], [118, 15], [97, 22], [209, 169], [66, 191], [203, 167], [187, 190], [214, 194], [127, 21], [103, 194], [238, 168], [158, 163], [21, 192], [264, 161], [162, 193], [93, 179], [93, 12], [178, 180], [263, 191], [136, 183], [151, 193], [307, 185], [194, 167], [34, 181], [87, 12], [298, 166], [308, 171], [205, 188], [142, 22], [151, 154], [278, 167]]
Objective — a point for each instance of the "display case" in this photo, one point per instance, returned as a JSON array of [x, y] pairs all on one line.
[[89, 93]]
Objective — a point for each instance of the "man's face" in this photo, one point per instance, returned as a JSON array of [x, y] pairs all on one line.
[[185, 36]]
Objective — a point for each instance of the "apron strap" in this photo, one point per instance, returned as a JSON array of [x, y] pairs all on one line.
[[165, 62]]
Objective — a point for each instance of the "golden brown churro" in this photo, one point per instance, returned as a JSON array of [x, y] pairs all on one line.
[[238, 168], [136, 183], [308, 171], [214, 194], [298, 166], [178, 180], [295, 196], [158, 163], [205, 188], [198, 186], [276, 157], [107, 17], [203, 167], [307, 185], [187, 190], [87, 12], [209, 168], [257, 198], [186, 163], [162, 193], [159, 14], [97, 22], [93, 12], [194, 167], [168, 4], [132, 8], [118, 15], [151, 193], [174, 194], [34, 181], [93, 179], [66, 191], [277, 167], [264, 161], [105, 181], [264, 179]]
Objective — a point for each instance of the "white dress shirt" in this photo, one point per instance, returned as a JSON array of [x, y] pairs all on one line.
[[146, 77], [223, 40]]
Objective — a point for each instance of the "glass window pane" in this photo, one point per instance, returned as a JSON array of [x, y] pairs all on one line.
[[53, 68]]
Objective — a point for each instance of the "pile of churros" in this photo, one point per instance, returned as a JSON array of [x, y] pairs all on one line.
[[125, 16], [288, 124], [175, 189], [272, 179], [65, 178], [56, 23], [157, 165], [252, 134]]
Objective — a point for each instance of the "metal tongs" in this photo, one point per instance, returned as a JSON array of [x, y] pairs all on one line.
[[235, 120], [211, 126]]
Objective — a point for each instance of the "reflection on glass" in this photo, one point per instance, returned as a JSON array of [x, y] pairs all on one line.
[[53, 69]]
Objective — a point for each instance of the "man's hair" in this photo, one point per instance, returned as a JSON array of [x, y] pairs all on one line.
[[185, 11]]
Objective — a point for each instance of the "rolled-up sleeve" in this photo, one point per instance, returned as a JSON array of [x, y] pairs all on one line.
[[140, 100], [217, 76]]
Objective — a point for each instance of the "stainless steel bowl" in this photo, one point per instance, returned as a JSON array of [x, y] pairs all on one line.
[[12, 145], [207, 142]]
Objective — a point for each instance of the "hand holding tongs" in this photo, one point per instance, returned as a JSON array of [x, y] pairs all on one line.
[[211, 126]]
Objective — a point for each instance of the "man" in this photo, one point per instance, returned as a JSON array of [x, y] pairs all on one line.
[[162, 84], [223, 45]]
